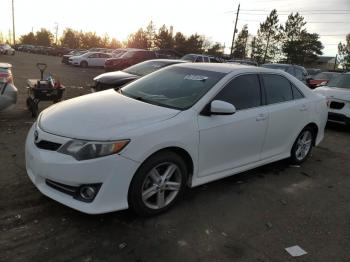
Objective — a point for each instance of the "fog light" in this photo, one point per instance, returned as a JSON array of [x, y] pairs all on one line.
[[87, 193]]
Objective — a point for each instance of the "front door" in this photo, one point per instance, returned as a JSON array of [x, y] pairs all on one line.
[[230, 141]]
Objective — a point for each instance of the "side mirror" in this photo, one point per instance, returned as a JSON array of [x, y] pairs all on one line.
[[218, 107]]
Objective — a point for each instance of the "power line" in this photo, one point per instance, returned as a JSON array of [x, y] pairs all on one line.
[[308, 22]]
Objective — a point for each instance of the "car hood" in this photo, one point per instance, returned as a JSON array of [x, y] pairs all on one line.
[[334, 92], [101, 116], [115, 77]]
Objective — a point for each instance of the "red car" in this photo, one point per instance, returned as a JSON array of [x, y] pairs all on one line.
[[321, 79]]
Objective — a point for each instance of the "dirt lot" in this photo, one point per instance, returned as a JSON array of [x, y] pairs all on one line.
[[249, 217]]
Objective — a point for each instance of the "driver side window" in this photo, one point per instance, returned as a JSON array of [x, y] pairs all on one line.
[[243, 92]]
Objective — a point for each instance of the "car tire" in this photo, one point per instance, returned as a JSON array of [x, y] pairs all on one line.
[[302, 146], [158, 184], [84, 64]]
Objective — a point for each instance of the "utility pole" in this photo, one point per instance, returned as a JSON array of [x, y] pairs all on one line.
[[335, 62], [56, 31], [13, 23], [234, 31]]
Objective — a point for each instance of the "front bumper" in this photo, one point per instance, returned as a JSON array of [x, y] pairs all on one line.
[[338, 118], [114, 173]]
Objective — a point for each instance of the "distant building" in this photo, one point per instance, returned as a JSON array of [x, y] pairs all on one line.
[[325, 63]]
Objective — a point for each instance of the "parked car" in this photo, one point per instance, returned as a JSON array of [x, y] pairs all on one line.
[[337, 93], [65, 58], [8, 91], [6, 49], [129, 58], [297, 71], [168, 54], [321, 79], [197, 58], [185, 125], [119, 78], [59, 51], [242, 62], [26, 48], [90, 59]]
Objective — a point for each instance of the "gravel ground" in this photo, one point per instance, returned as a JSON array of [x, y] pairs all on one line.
[[248, 217]]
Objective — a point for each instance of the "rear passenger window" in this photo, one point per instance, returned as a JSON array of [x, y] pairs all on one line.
[[199, 59], [297, 94], [206, 59], [278, 89], [243, 92]]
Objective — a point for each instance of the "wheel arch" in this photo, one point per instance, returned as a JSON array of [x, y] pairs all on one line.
[[183, 153], [314, 127]]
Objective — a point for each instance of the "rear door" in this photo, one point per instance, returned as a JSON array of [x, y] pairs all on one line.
[[288, 113]]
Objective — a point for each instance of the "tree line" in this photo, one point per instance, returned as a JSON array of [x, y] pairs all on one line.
[[273, 42], [145, 38]]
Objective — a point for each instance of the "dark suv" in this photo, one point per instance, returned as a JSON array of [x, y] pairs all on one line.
[[298, 71], [129, 58]]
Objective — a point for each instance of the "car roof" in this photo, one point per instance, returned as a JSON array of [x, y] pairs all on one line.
[[5, 65], [225, 67]]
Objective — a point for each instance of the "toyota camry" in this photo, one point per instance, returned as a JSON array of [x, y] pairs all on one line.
[[181, 126]]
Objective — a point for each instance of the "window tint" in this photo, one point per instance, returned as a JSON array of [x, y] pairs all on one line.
[[206, 59], [278, 89], [243, 92], [297, 94], [93, 56], [199, 59]]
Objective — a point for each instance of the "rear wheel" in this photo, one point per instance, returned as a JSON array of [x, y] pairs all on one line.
[[302, 146], [158, 184], [84, 64]]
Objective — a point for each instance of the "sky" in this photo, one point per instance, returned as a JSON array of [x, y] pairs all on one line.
[[214, 19]]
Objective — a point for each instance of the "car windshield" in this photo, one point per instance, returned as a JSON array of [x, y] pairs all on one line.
[[190, 58], [324, 76], [341, 81], [174, 87], [116, 54], [128, 54], [146, 68]]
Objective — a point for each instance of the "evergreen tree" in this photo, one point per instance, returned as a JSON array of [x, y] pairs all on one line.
[[240, 47], [164, 38], [344, 53]]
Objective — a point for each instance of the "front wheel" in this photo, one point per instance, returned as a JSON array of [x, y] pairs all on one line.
[[302, 146], [158, 184]]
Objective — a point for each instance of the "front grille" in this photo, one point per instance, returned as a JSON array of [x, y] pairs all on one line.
[[69, 190], [47, 145], [336, 105]]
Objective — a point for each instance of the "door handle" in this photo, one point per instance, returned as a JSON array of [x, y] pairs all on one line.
[[261, 117]]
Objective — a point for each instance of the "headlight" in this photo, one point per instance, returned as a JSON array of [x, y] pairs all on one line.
[[84, 150]]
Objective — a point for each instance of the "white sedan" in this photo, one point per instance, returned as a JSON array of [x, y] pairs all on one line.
[[185, 125], [93, 59], [337, 93]]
